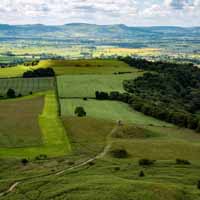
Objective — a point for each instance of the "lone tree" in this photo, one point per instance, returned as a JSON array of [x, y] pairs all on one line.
[[11, 93], [80, 112]]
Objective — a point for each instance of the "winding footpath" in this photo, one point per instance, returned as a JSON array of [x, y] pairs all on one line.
[[98, 156]]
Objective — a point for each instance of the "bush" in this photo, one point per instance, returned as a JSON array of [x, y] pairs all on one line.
[[91, 163], [11, 93], [85, 98], [119, 153], [182, 162], [41, 72], [146, 162], [141, 174], [198, 185], [41, 157], [24, 161], [101, 95], [80, 112], [117, 168]]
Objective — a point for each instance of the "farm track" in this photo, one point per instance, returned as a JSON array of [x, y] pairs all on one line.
[[81, 164]]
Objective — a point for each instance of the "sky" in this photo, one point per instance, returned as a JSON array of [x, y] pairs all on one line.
[[129, 12]]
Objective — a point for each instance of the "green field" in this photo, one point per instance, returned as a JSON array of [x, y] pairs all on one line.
[[54, 137], [16, 120], [80, 164], [110, 110], [87, 85], [24, 86], [61, 67]]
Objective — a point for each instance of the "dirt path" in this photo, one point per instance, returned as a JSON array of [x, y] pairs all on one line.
[[99, 156], [11, 188]]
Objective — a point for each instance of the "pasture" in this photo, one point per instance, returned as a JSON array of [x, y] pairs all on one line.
[[25, 86], [110, 110], [87, 85]]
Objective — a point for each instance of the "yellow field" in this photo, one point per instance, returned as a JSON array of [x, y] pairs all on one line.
[[126, 52]]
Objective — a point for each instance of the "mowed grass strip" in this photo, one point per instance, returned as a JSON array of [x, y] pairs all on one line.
[[110, 110], [54, 133], [19, 122], [87, 85], [54, 139], [25, 86]]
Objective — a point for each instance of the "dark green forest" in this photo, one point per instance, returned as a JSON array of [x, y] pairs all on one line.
[[168, 91]]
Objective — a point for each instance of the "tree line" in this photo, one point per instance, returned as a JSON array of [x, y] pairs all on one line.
[[168, 91]]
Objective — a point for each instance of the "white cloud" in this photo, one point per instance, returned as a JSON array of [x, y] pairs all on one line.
[[167, 12]]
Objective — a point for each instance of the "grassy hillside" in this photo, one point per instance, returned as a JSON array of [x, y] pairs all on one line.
[[80, 163], [110, 110], [109, 177]]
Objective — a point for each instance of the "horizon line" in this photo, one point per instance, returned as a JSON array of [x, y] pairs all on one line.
[[82, 23]]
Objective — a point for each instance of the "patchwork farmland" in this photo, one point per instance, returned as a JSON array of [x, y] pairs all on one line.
[[47, 152]]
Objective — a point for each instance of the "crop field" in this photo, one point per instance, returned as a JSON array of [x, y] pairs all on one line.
[[54, 138], [115, 51], [16, 120], [87, 85], [110, 110], [24, 86]]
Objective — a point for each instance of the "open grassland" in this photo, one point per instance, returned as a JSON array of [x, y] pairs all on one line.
[[87, 85], [108, 178], [88, 135], [61, 67], [164, 181], [16, 120], [54, 138], [110, 110], [26, 86]]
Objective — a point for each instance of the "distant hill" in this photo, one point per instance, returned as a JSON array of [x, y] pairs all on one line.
[[92, 31]]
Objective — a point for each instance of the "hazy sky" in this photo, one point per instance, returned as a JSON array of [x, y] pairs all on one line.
[[130, 12]]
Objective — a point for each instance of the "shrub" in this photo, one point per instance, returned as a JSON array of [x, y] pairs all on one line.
[[41, 157], [70, 163], [182, 162], [198, 184], [24, 161], [11, 93], [119, 153], [141, 174], [101, 95], [85, 98], [117, 168], [80, 112], [146, 162], [91, 163], [41, 72]]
